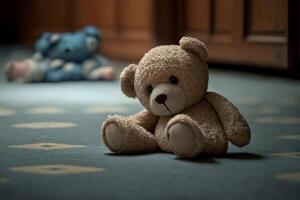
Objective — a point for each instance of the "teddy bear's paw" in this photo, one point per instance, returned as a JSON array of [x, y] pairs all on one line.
[[22, 71], [185, 141], [102, 73], [113, 137]]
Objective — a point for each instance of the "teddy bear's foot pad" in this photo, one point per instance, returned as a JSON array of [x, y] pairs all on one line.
[[183, 141], [114, 137]]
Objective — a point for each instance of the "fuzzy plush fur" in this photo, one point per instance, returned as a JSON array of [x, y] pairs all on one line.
[[200, 123]]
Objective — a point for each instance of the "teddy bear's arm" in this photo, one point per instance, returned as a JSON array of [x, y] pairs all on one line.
[[234, 124], [56, 63]]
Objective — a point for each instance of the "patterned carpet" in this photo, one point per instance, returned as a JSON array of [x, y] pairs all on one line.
[[50, 146]]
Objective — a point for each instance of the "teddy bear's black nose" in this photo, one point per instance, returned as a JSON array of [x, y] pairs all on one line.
[[161, 99]]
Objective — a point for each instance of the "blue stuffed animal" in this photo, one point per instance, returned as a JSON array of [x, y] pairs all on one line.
[[63, 57]]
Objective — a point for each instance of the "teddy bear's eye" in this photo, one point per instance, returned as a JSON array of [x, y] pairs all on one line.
[[174, 80], [149, 88]]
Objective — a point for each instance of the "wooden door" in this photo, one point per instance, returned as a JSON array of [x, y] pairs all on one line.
[[127, 25], [38, 16], [252, 32]]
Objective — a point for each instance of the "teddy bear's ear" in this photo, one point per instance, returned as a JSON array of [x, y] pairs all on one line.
[[127, 80], [92, 31], [93, 37], [194, 46]]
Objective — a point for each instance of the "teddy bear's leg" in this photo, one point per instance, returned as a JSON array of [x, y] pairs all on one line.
[[25, 71], [188, 138], [120, 135], [102, 73], [185, 136], [96, 69]]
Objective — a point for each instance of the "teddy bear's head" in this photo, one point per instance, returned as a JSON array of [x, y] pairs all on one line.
[[169, 78], [71, 47]]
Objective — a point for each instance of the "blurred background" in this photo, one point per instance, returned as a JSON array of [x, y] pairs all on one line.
[[259, 33]]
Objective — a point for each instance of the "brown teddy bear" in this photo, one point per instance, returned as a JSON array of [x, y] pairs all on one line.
[[181, 117]]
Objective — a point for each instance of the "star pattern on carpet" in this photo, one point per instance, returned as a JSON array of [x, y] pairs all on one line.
[[46, 110], [46, 146], [269, 109], [278, 120], [247, 100], [288, 154], [4, 180], [56, 169], [106, 109], [44, 125], [289, 137], [6, 111], [290, 176]]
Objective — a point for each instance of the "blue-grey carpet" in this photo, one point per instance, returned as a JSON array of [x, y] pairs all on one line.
[[50, 146]]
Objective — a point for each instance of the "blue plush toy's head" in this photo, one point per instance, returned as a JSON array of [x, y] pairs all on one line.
[[71, 47]]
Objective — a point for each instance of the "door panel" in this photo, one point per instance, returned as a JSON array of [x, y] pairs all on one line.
[[241, 31], [267, 16], [38, 17], [222, 16]]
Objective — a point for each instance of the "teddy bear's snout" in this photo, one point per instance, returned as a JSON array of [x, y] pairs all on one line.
[[161, 99], [167, 99]]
